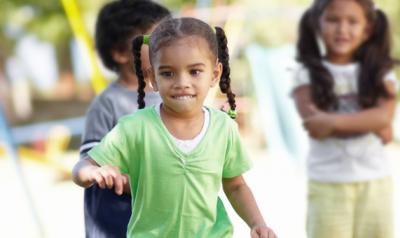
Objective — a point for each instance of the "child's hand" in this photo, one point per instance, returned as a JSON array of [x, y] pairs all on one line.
[[262, 232], [320, 124], [386, 134], [127, 186], [109, 177]]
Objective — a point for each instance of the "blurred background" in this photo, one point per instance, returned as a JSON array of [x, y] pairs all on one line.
[[49, 73]]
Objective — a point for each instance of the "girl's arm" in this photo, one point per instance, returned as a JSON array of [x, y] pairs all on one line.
[[87, 172], [242, 200], [322, 124], [303, 101]]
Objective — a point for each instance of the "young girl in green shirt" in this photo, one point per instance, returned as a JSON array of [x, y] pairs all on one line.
[[178, 153]]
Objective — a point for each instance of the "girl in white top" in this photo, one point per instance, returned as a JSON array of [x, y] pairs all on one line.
[[345, 93]]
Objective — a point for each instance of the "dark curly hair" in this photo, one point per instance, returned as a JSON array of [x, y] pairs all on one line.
[[173, 29], [373, 55], [118, 21]]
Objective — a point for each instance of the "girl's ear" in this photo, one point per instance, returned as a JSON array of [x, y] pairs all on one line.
[[217, 72], [121, 57]]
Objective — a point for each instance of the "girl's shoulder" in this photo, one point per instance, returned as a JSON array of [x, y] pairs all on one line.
[[139, 117], [391, 77], [218, 113], [294, 67], [300, 75], [220, 119]]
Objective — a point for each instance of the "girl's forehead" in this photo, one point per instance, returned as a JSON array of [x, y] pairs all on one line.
[[344, 6], [183, 52], [191, 41], [348, 9], [187, 43]]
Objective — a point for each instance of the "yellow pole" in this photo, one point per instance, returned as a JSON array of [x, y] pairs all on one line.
[[75, 19]]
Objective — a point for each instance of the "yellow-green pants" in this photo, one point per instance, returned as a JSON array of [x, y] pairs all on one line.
[[350, 210]]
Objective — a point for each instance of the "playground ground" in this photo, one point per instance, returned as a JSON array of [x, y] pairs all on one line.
[[279, 185]]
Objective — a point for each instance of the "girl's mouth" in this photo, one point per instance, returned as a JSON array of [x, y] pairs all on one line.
[[183, 97]]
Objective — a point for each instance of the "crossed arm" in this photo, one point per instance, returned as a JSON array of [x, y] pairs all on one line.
[[320, 124]]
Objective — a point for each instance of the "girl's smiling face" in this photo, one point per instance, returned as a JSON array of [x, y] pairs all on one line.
[[344, 28], [184, 71]]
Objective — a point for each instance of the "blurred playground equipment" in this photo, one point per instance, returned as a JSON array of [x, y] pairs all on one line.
[[46, 142], [8, 146], [76, 21], [271, 74]]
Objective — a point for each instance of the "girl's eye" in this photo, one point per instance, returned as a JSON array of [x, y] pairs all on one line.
[[353, 21], [195, 72], [332, 19], [167, 74]]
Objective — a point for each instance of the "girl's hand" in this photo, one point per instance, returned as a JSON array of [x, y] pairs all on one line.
[[109, 177], [127, 186], [319, 124], [386, 134], [262, 232]]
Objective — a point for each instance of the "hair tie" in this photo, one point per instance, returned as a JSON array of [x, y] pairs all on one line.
[[232, 113], [146, 39]]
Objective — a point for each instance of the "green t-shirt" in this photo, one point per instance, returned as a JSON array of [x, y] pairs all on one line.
[[175, 194]]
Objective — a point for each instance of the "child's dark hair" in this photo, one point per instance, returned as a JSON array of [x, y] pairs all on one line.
[[373, 56], [120, 20], [170, 31]]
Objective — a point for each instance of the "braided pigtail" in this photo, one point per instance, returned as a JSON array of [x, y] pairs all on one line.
[[136, 50], [225, 81]]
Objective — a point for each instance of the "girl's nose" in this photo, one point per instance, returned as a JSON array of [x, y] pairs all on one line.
[[182, 81], [342, 27]]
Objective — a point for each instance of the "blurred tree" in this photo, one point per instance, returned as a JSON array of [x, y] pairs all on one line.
[[392, 7], [43, 18], [176, 5], [5, 42]]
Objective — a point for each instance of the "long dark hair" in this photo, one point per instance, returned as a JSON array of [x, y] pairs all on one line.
[[171, 30], [373, 55]]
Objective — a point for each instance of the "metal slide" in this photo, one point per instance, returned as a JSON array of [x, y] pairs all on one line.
[[271, 76], [6, 139]]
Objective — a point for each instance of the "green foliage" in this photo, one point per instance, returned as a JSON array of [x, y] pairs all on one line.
[[176, 5], [43, 18]]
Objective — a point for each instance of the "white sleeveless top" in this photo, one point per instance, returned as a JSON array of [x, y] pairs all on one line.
[[356, 158]]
